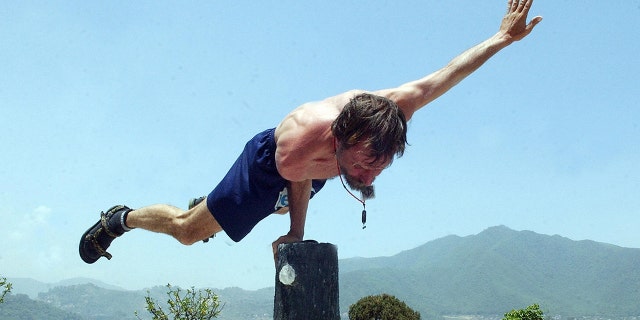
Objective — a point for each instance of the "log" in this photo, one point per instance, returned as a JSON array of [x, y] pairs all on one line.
[[307, 282]]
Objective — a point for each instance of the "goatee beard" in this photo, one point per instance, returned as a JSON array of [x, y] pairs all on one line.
[[368, 192]]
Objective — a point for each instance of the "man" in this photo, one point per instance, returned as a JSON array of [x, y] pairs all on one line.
[[354, 135]]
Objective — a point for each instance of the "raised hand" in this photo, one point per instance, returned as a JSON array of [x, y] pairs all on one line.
[[514, 25]]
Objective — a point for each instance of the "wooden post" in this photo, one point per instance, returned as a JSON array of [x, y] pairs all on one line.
[[307, 282]]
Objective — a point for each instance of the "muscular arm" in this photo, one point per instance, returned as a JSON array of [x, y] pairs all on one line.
[[414, 95], [298, 193]]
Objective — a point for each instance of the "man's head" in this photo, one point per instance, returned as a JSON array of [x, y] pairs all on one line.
[[371, 130]]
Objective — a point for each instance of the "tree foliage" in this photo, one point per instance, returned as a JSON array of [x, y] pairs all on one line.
[[381, 307], [5, 287], [532, 312], [192, 305]]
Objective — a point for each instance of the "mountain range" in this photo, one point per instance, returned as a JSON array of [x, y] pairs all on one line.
[[486, 274], [500, 269]]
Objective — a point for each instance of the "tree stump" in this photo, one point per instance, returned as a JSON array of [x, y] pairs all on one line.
[[307, 282]]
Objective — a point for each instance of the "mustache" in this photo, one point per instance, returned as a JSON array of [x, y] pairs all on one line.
[[367, 192]]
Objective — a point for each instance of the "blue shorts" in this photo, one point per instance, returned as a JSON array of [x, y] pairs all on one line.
[[252, 189]]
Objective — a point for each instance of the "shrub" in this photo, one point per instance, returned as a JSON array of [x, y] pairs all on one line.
[[532, 312], [5, 287], [193, 305], [381, 307]]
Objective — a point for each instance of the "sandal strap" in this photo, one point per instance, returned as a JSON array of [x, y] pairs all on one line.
[[97, 245], [105, 227]]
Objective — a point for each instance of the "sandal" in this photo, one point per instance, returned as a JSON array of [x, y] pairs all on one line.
[[96, 240]]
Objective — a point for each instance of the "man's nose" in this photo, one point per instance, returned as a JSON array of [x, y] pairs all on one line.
[[368, 177]]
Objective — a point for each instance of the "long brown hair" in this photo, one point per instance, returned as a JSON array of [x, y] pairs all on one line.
[[376, 122]]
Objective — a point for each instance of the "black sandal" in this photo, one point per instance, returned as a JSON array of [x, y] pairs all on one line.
[[96, 240]]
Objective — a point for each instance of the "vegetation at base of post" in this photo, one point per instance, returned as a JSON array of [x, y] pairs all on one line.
[[193, 305], [381, 307], [532, 312]]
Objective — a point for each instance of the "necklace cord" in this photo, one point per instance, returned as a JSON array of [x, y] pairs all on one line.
[[364, 206]]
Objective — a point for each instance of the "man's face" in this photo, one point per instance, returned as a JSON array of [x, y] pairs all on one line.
[[359, 169]]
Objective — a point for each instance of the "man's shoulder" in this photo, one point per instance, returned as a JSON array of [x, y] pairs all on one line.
[[315, 118]]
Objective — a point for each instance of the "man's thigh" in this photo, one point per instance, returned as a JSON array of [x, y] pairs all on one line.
[[201, 222]]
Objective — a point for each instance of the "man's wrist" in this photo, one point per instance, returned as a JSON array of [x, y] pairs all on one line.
[[502, 39], [296, 234]]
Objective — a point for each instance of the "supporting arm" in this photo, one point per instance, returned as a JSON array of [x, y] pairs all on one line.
[[298, 193]]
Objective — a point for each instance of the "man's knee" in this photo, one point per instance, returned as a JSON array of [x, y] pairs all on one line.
[[195, 225], [186, 234]]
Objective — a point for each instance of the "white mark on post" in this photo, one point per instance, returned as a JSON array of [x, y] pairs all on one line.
[[287, 275]]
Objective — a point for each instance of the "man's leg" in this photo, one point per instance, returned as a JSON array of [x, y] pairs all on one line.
[[188, 227], [194, 202]]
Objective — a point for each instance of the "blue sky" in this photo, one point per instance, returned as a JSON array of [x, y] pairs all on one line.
[[149, 102]]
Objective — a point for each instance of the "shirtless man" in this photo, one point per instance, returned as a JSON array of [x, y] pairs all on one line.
[[354, 135]]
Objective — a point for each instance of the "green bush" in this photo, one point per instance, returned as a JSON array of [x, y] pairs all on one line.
[[381, 307], [5, 287], [193, 305], [532, 312]]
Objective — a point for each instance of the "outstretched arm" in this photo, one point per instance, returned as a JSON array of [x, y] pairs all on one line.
[[414, 95]]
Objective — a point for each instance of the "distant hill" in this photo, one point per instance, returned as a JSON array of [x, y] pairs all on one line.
[[22, 307], [91, 302], [33, 287], [489, 273], [500, 269]]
